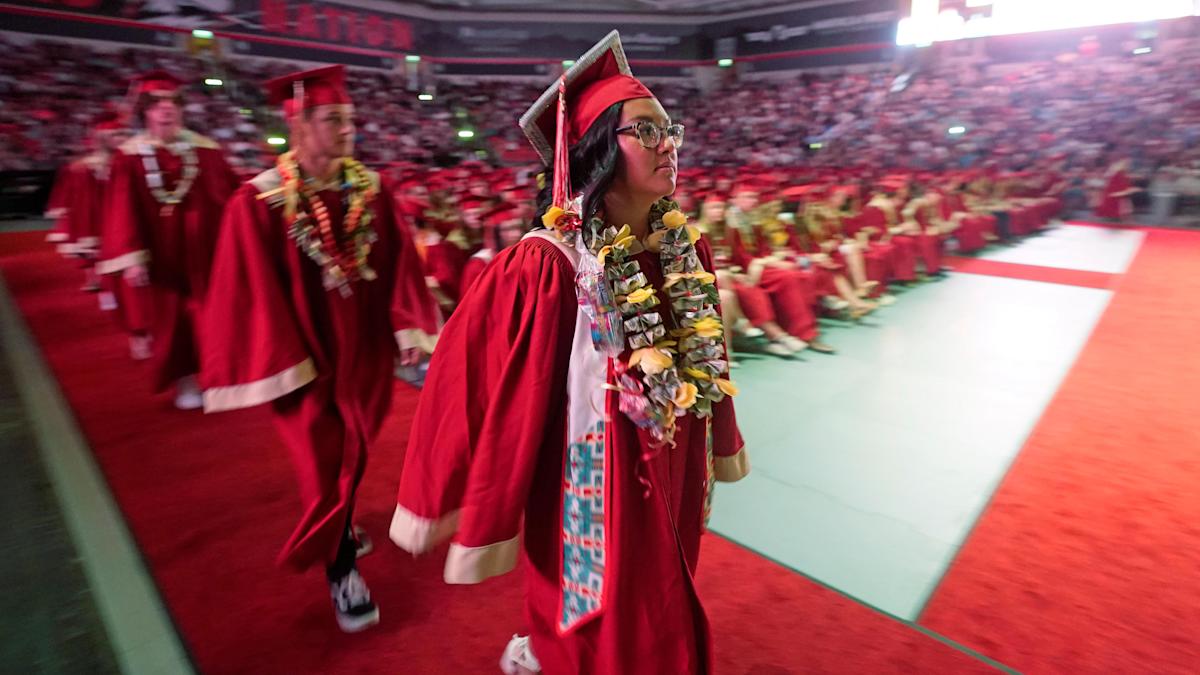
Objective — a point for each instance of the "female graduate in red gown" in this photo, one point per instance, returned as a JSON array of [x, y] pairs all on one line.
[[596, 412]]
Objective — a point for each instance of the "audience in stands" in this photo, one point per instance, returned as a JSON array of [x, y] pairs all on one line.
[[821, 193]]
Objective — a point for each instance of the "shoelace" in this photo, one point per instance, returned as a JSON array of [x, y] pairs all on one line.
[[352, 591]]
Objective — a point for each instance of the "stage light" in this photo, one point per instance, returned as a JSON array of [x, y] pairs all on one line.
[[246, 112], [567, 63], [956, 131], [1142, 50], [724, 63], [276, 140], [466, 134], [927, 23], [202, 34], [412, 58], [816, 146], [213, 81], [424, 97]]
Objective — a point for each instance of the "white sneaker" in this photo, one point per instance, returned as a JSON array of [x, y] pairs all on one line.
[[793, 343], [187, 394], [108, 301], [835, 304], [352, 603], [139, 347], [778, 349], [518, 654]]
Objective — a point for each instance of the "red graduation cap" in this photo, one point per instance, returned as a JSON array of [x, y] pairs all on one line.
[[751, 184], [799, 192], [108, 121], [564, 112], [159, 82], [308, 89], [501, 215]]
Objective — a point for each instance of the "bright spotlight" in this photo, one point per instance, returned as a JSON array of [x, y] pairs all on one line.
[[927, 22], [202, 34], [724, 63], [466, 133], [412, 58], [957, 131], [567, 63], [276, 140], [1142, 50], [213, 81], [424, 97]]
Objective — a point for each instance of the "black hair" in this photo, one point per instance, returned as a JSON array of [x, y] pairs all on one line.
[[593, 163]]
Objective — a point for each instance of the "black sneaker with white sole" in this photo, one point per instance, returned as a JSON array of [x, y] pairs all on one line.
[[352, 603]]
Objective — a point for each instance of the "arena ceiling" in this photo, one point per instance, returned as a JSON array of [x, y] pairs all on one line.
[[691, 7]]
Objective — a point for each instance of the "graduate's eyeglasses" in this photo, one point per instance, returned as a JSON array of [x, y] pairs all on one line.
[[650, 134]]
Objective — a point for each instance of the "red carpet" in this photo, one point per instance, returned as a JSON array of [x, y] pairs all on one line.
[[1050, 275], [1088, 558], [210, 499]]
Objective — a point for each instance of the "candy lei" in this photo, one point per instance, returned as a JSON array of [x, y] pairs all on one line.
[[681, 372], [182, 148], [309, 225]]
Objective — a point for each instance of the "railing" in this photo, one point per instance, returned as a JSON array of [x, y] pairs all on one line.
[[24, 193]]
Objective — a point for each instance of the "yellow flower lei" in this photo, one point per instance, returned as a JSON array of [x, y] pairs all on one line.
[[686, 371], [309, 225]]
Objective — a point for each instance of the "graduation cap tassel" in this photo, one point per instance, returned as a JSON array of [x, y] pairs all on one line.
[[562, 163], [298, 96]]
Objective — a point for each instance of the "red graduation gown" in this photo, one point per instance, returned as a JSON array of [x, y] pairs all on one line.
[[475, 266], [79, 198], [1114, 202], [273, 333], [176, 247], [444, 261], [903, 249], [790, 290], [487, 449], [73, 205], [56, 205]]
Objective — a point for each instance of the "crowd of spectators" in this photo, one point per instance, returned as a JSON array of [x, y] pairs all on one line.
[[1080, 113]]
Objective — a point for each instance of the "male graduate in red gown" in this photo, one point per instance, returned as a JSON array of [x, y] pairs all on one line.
[[80, 195], [314, 291], [167, 188]]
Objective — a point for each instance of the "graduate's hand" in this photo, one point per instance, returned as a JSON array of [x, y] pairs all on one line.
[[137, 276], [410, 357]]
